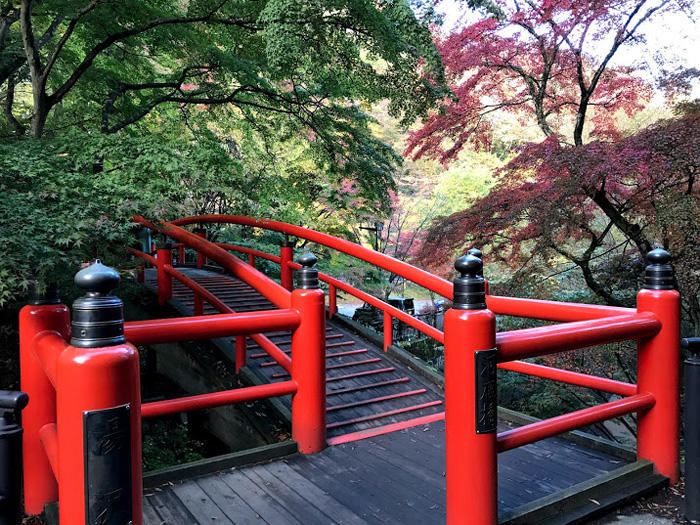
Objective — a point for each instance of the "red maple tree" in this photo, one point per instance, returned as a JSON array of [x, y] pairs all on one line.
[[584, 192]]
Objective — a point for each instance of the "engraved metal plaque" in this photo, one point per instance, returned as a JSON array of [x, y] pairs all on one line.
[[485, 378], [107, 446]]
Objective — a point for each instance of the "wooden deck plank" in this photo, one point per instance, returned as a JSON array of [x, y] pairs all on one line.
[[200, 504], [287, 497], [170, 508], [229, 502], [258, 500], [150, 514], [318, 497]]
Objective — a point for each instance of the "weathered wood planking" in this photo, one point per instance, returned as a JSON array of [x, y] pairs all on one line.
[[395, 478]]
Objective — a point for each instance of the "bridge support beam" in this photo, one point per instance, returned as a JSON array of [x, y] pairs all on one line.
[[309, 361], [470, 401], [658, 363], [164, 256]]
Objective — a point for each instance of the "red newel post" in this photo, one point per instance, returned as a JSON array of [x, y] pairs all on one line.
[[165, 281], [658, 362], [388, 331], [181, 255], [43, 313], [309, 361], [99, 410], [286, 256], [201, 259], [470, 401], [332, 301], [240, 351]]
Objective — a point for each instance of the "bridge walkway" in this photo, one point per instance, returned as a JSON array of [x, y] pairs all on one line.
[[396, 477]]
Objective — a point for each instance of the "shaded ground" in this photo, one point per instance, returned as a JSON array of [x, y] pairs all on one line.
[[665, 507]]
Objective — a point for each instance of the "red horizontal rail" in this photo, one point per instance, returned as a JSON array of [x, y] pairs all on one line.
[[551, 427], [385, 429], [266, 286], [209, 326], [533, 342], [48, 435], [215, 399], [572, 378], [48, 346], [552, 310]]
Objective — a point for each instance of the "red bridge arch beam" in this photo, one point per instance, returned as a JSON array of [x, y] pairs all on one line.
[[547, 310], [263, 284]]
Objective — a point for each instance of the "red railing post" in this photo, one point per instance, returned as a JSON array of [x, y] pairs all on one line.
[[251, 260], [309, 361], [165, 281], [240, 351], [43, 313], [470, 401], [388, 331], [181, 254], [286, 256], [98, 430], [201, 258], [332, 301], [658, 362], [140, 275], [198, 308]]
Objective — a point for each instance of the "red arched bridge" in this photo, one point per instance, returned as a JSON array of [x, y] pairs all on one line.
[[378, 442]]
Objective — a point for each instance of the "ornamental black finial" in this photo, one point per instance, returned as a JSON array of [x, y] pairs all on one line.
[[658, 275], [50, 295], [469, 289], [98, 316], [307, 276], [476, 252]]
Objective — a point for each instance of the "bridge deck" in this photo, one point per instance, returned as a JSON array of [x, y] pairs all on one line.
[[391, 478]]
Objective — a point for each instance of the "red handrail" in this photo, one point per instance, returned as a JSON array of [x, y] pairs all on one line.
[[556, 425], [534, 342], [217, 399], [263, 284], [209, 326], [548, 310]]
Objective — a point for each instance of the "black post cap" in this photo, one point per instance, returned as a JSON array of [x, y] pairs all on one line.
[[51, 295], [476, 252], [658, 275], [307, 276], [13, 400], [98, 316], [469, 289]]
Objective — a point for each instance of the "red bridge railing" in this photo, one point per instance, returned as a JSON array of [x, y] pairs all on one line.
[[470, 332], [86, 378]]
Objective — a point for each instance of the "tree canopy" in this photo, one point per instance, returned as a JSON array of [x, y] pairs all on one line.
[[585, 192], [235, 105]]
